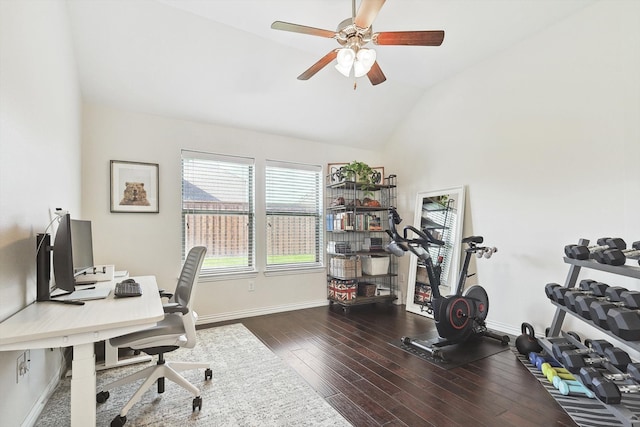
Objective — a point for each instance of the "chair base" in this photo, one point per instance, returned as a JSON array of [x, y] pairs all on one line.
[[164, 369]]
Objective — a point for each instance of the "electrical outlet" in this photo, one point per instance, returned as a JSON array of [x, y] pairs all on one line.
[[252, 286], [23, 365]]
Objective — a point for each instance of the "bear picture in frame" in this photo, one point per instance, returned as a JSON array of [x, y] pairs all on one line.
[[134, 187]]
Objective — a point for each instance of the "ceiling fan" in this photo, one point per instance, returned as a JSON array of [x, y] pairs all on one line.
[[353, 34]]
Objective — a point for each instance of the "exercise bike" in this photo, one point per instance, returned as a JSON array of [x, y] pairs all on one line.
[[459, 316]]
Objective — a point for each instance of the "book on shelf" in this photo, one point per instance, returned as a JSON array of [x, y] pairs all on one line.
[[339, 247], [374, 223], [350, 221], [372, 244]]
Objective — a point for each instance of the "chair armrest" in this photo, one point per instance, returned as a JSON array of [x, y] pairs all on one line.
[[164, 294], [174, 307]]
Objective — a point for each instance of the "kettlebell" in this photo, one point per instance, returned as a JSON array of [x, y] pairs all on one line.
[[527, 342]]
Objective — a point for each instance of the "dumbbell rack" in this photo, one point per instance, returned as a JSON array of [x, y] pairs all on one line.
[[622, 413]]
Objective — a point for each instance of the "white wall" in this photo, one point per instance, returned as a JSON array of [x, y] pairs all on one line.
[[151, 243], [39, 171], [546, 138]]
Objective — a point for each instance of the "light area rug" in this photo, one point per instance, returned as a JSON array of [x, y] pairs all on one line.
[[251, 386]]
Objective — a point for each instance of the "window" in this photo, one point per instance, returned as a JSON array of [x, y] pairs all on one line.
[[218, 210], [293, 196]]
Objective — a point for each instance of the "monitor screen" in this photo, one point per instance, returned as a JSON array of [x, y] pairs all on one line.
[[82, 244], [63, 256]]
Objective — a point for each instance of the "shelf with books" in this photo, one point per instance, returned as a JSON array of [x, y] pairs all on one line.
[[356, 220]]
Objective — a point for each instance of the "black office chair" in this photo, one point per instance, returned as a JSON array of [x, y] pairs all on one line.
[[176, 330]]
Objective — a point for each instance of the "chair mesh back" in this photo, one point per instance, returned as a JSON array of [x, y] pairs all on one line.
[[189, 276]]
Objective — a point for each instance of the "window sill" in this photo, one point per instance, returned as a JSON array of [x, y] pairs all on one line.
[[218, 277], [291, 271]]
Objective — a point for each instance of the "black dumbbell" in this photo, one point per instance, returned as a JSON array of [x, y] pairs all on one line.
[[598, 309], [584, 252], [624, 323], [583, 303], [597, 346], [557, 293], [604, 384], [611, 393], [588, 373], [619, 298], [573, 360], [558, 348], [550, 291], [561, 344], [586, 288], [618, 256]]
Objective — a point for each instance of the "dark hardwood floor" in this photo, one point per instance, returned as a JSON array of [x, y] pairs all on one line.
[[348, 360]]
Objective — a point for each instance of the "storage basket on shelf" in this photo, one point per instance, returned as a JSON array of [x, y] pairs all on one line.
[[346, 267], [375, 265], [421, 274], [367, 289], [422, 293], [343, 290]]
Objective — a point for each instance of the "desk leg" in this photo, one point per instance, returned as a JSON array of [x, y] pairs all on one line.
[[83, 386]]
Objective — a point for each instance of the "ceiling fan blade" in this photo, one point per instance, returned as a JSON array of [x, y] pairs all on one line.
[[295, 28], [311, 71], [409, 38], [367, 12], [375, 74]]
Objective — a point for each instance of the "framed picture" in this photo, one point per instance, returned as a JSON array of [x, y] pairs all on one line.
[[335, 175], [380, 170], [134, 187]]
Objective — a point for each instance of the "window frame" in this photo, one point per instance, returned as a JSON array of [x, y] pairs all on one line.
[[250, 212], [318, 214]]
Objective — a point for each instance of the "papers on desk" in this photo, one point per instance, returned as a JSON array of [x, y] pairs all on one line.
[[120, 274], [99, 273], [84, 294]]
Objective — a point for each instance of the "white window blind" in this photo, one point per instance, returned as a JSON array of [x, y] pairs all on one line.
[[293, 196], [442, 225], [218, 210]]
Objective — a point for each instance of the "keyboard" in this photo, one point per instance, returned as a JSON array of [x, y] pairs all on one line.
[[127, 288]]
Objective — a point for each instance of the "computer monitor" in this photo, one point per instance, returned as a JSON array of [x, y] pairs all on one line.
[[63, 256], [82, 244]]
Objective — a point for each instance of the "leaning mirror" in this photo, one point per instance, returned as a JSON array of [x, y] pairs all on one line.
[[441, 212]]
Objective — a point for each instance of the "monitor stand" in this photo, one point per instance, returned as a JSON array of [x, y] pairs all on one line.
[[43, 271]]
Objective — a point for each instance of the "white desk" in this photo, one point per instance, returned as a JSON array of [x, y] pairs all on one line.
[[51, 325]]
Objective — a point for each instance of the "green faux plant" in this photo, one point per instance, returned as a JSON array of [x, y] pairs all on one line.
[[362, 173]]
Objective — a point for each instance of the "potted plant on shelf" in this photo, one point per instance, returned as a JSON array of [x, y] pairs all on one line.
[[362, 174]]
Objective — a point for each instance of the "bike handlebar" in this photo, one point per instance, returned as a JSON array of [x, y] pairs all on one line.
[[425, 237]]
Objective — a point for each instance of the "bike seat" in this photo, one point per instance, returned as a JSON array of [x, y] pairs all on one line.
[[473, 239]]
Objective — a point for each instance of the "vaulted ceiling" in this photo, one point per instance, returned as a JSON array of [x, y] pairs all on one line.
[[218, 61]]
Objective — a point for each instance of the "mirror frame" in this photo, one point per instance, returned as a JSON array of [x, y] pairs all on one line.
[[457, 193]]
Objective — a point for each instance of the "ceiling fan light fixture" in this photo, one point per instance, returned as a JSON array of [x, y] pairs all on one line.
[[364, 61], [343, 69], [346, 57]]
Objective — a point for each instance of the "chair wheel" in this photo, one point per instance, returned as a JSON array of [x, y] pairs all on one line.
[[102, 396], [208, 374], [118, 421], [197, 402]]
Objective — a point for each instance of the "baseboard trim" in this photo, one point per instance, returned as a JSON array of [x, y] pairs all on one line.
[[241, 314], [503, 327]]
